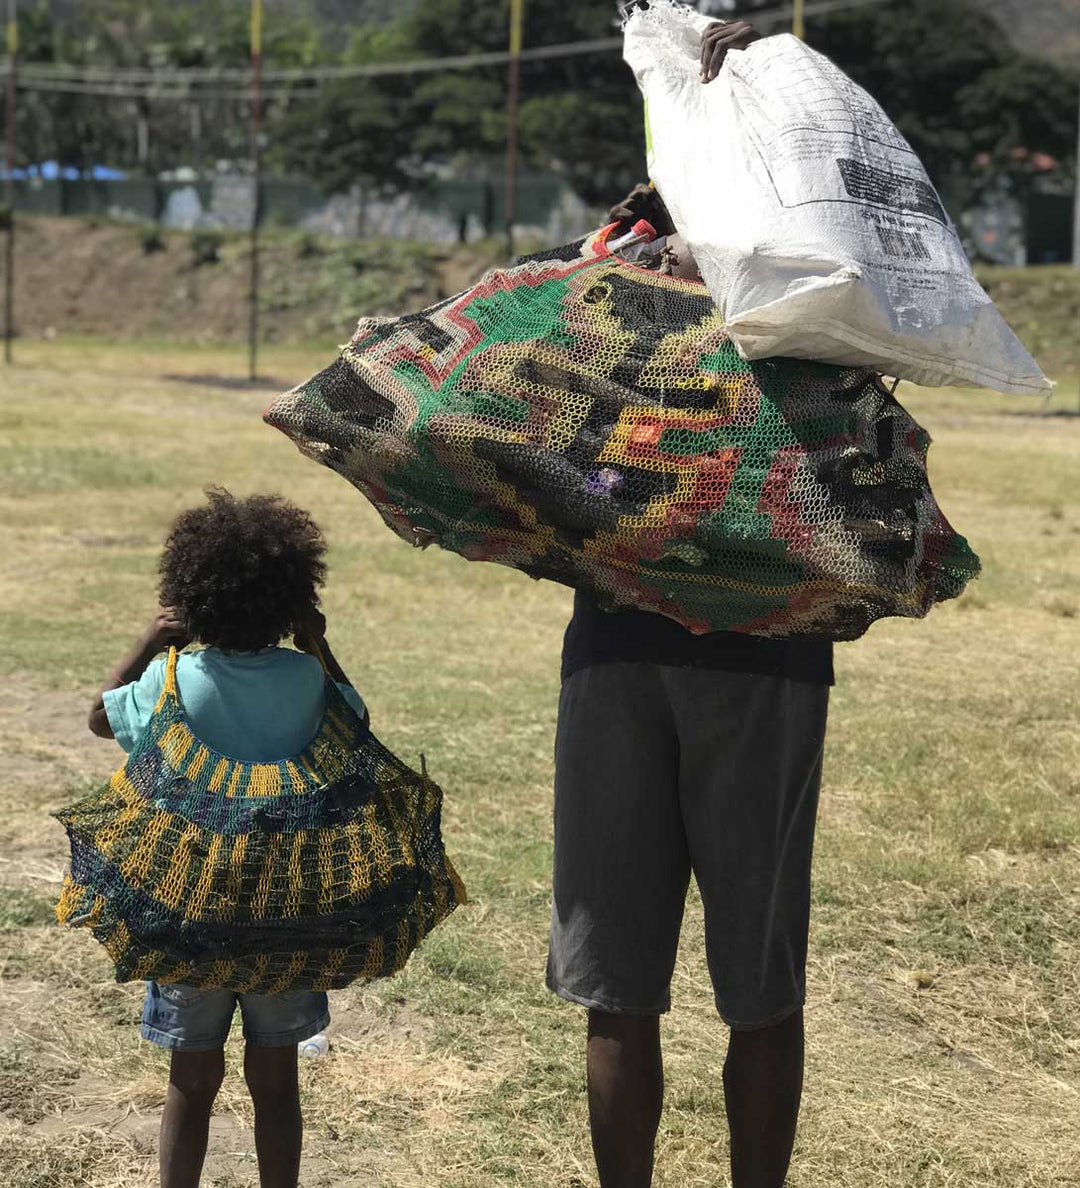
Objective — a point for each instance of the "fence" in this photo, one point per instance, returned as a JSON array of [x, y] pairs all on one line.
[[451, 210]]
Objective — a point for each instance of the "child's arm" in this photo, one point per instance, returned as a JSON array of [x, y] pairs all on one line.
[[166, 627], [310, 637]]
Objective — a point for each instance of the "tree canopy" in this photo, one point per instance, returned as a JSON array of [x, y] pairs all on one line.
[[973, 107]]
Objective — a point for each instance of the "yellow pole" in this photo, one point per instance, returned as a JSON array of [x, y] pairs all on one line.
[[798, 23], [517, 15], [9, 184], [256, 183]]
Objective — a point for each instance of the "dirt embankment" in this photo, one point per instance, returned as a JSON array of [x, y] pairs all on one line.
[[77, 277], [1043, 306]]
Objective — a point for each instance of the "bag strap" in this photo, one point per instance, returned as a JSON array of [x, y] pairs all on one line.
[[332, 690], [319, 655], [170, 673], [169, 691]]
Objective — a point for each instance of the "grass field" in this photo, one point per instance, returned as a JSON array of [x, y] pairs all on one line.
[[944, 980]]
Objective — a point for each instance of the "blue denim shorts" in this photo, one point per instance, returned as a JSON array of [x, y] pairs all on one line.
[[186, 1018]]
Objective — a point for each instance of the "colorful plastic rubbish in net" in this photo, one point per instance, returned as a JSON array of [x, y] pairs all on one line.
[[588, 420], [313, 872]]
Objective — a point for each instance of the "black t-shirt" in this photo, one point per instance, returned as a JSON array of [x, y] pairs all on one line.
[[595, 636]]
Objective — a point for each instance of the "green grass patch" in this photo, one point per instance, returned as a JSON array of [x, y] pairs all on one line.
[[42, 470], [23, 909], [944, 1006]]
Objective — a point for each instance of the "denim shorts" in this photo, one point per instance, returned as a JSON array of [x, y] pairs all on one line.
[[663, 772], [186, 1018]]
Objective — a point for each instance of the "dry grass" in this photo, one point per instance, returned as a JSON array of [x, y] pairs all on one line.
[[944, 1025]]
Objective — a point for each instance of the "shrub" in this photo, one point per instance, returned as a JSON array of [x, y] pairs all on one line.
[[309, 246], [206, 246], [151, 238]]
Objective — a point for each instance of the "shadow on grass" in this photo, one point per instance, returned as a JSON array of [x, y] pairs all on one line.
[[1045, 414], [230, 382]]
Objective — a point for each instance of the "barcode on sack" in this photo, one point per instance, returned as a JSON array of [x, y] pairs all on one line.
[[904, 245], [898, 191]]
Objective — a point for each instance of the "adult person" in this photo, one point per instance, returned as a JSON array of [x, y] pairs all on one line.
[[675, 754]]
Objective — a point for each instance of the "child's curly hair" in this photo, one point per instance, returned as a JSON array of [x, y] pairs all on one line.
[[242, 571]]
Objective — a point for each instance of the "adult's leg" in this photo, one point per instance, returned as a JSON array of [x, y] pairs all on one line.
[[271, 1078], [626, 1095], [763, 1077], [621, 873], [194, 1080], [749, 776]]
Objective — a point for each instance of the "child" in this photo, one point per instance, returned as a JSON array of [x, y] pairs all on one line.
[[237, 575]]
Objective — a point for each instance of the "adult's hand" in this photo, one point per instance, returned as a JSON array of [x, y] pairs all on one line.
[[643, 202], [720, 37]]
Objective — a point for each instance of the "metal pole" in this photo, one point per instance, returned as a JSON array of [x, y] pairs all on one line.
[[1076, 225], [9, 184], [256, 177], [1076, 216], [798, 22], [517, 12]]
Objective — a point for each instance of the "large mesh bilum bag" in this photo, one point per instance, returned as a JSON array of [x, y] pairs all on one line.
[[584, 419], [190, 866]]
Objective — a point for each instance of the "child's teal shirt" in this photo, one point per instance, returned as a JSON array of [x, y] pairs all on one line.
[[256, 706]]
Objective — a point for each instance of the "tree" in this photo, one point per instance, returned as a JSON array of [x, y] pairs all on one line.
[[579, 116], [80, 130], [972, 106]]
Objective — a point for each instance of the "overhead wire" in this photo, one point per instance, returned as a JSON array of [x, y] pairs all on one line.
[[233, 83]]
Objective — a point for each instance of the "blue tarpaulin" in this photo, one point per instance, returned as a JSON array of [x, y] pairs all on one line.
[[53, 170]]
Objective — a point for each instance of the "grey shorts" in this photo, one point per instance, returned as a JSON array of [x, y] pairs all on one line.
[[186, 1018], [663, 771]]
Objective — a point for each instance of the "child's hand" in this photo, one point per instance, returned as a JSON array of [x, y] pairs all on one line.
[[310, 630], [167, 628]]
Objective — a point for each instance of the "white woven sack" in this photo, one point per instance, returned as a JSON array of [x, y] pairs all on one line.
[[814, 224]]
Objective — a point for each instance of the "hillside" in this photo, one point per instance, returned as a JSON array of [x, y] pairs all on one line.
[[77, 277], [1045, 28]]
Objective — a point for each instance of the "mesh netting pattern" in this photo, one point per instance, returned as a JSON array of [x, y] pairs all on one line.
[[588, 420], [262, 877]]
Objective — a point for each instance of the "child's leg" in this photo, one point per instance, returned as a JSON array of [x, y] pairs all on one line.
[[271, 1078], [194, 1025], [273, 1024], [194, 1080]]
